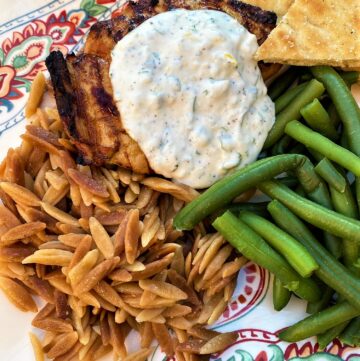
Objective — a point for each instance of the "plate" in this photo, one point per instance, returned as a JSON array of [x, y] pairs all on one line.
[[25, 42]]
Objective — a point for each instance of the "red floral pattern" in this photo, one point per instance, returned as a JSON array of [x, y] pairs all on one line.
[[7, 75], [23, 53], [255, 282], [275, 350], [336, 348]]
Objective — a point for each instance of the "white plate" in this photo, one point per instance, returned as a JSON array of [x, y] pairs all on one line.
[[250, 312]]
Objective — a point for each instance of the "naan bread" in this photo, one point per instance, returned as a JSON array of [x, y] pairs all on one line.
[[316, 32], [279, 7]]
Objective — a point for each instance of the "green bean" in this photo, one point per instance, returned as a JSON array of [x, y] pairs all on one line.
[[350, 77], [323, 145], [331, 175], [254, 248], [291, 249], [280, 84], [306, 76], [352, 182], [297, 149], [357, 190], [313, 90], [319, 322], [281, 295], [344, 102], [235, 208], [344, 203], [351, 335], [326, 337], [344, 142], [327, 295], [353, 187], [313, 184], [317, 191], [281, 145], [300, 191], [316, 155], [318, 119], [307, 176], [334, 115], [321, 196], [333, 244], [317, 215], [283, 100], [288, 181], [258, 208], [330, 271], [224, 191]]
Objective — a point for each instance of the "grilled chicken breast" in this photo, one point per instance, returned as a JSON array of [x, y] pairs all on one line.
[[86, 106], [82, 84], [105, 34]]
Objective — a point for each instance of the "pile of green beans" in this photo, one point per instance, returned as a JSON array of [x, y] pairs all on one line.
[[223, 192], [315, 214], [292, 250], [330, 271], [344, 203], [292, 111], [253, 247], [323, 145], [326, 170], [344, 102], [351, 335], [308, 234], [346, 107], [318, 118]]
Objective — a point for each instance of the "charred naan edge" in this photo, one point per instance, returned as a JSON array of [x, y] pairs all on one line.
[[105, 34], [84, 98]]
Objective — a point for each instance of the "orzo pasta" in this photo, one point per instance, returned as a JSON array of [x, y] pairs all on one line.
[[98, 246]]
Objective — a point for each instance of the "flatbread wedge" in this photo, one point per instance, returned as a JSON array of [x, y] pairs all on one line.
[[316, 32], [279, 7]]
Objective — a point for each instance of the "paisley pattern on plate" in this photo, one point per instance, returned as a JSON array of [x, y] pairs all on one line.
[[264, 346], [28, 40], [278, 351], [25, 42]]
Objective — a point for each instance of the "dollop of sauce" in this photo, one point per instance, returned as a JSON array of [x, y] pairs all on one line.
[[191, 95]]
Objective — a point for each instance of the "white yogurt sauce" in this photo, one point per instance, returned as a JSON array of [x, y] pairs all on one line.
[[191, 95]]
